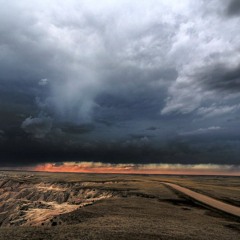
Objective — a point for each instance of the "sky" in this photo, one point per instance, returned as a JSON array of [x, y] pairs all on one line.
[[139, 84]]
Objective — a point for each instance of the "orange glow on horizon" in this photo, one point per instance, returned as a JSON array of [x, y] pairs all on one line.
[[137, 169]]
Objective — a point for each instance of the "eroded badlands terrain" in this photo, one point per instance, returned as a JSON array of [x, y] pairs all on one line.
[[25, 202]]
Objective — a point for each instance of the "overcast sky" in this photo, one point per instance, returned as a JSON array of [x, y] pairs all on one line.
[[120, 81]]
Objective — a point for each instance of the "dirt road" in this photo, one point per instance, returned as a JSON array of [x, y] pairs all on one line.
[[224, 207]]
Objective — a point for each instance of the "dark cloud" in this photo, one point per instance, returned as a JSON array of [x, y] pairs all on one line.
[[152, 128], [77, 129], [177, 151], [233, 8], [38, 127], [221, 77]]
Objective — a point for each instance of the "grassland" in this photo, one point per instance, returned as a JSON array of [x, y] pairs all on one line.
[[137, 207]]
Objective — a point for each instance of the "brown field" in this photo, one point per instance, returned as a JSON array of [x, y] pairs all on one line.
[[110, 206]]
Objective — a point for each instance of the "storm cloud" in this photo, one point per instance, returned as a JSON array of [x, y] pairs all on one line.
[[234, 8], [38, 127], [95, 77]]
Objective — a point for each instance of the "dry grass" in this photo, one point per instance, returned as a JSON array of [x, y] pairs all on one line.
[[144, 209], [223, 188]]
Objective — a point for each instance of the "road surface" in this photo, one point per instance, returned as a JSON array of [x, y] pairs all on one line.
[[219, 205]]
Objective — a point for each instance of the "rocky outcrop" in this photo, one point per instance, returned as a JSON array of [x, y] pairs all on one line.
[[24, 202]]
